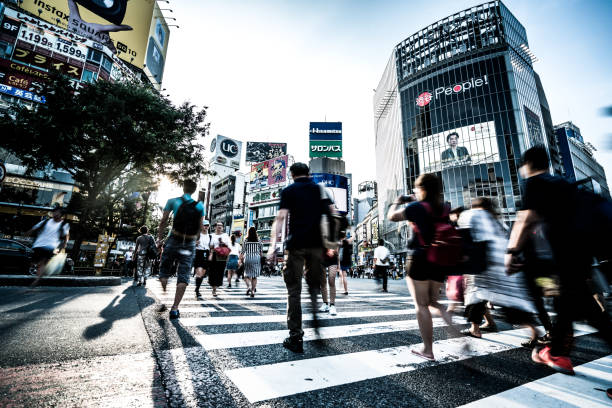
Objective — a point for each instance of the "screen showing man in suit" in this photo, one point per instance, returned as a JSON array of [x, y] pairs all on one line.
[[455, 154], [465, 146]]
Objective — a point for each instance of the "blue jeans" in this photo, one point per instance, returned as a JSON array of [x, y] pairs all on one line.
[[176, 250]]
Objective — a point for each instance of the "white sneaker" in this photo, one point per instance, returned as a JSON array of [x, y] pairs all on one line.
[[332, 310], [324, 308]]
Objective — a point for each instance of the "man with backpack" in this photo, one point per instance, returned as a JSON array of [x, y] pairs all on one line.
[[51, 237], [303, 205], [577, 224], [145, 252], [181, 241], [381, 262]]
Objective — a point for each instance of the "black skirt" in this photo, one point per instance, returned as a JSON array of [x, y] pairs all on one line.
[[201, 259], [216, 271]]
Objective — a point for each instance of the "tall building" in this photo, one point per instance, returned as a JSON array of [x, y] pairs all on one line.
[[578, 160], [460, 99]]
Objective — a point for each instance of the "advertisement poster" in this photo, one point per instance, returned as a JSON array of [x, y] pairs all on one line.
[[336, 187], [534, 130], [256, 152], [121, 25], [468, 145], [259, 175]]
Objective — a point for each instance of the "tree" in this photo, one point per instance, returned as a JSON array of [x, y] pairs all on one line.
[[113, 138]]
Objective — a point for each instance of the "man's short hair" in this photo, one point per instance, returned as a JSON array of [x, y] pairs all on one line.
[[299, 169], [381, 242], [536, 157], [450, 134], [189, 187]]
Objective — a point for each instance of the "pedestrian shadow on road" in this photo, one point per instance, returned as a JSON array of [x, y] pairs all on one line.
[[126, 308]]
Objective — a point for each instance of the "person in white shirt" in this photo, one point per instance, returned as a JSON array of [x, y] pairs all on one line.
[[232, 260], [200, 263], [51, 237], [217, 261], [381, 263]]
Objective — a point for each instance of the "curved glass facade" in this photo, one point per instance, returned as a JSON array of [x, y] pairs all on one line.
[[469, 106]]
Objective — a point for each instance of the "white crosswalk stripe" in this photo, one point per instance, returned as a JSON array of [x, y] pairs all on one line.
[[233, 322]]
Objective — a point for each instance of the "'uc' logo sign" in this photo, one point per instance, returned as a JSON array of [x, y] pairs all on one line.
[[229, 148]]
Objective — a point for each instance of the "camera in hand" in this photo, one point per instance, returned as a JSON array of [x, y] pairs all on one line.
[[405, 198]]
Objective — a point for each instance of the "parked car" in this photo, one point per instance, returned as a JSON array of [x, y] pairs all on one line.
[[15, 258]]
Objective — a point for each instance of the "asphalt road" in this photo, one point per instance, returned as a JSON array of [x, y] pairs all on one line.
[[111, 347]]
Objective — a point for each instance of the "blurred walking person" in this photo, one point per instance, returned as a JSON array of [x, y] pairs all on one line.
[[51, 237], [251, 256], [424, 278], [381, 263], [346, 261], [303, 205], [491, 283], [219, 252], [331, 266], [578, 224], [232, 260], [201, 263], [145, 252], [179, 248]]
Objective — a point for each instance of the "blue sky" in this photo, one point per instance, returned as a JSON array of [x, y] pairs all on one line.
[[267, 68]]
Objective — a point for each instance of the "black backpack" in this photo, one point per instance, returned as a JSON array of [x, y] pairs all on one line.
[[187, 218]]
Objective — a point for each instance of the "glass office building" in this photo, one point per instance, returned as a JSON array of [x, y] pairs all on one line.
[[459, 99]]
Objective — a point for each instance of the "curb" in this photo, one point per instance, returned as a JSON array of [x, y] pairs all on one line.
[[67, 281]]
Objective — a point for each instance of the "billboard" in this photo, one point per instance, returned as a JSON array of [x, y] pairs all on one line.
[[121, 25], [468, 145], [226, 151], [256, 152], [336, 187], [325, 139], [268, 173], [158, 45]]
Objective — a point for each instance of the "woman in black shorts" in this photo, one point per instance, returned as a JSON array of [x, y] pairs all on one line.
[[200, 262], [424, 278]]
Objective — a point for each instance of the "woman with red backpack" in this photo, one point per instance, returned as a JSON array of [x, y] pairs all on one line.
[[220, 250], [436, 249]]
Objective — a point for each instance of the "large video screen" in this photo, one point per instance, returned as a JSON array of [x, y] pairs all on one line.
[[336, 188], [468, 145], [256, 152]]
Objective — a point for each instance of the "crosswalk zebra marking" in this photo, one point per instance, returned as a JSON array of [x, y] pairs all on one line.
[[559, 389], [260, 383], [275, 318], [272, 301], [261, 338]]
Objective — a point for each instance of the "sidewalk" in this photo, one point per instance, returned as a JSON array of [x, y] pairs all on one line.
[[76, 347]]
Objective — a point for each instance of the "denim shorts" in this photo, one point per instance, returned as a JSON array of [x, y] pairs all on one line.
[[183, 253]]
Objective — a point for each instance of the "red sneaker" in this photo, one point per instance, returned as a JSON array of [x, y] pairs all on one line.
[[560, 364]]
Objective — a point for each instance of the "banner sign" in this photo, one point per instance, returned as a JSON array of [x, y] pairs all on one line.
[[268, 173], [257, 152], [336, 187], [325, 139], [50, 41], [38, 59], [21, 93], [121, 25]]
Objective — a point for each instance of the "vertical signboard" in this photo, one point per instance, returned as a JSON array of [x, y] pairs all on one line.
[[227, 151], [325, 139]]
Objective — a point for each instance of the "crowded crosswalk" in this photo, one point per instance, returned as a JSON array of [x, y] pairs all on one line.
[[369, 342]]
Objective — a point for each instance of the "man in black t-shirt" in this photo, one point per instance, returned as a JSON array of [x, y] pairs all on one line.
[[555, 202], [303, 204]]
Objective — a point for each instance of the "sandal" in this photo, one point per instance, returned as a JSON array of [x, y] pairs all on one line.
[[420, 354], [468, 332], [531, 343], [489, 329]]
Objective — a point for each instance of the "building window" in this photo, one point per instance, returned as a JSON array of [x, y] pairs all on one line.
[[6, 50], [94, 56], [89, 76], [107, 64]]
